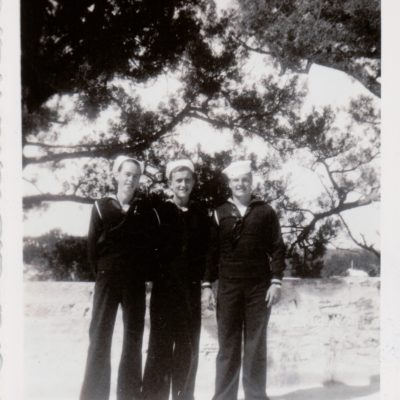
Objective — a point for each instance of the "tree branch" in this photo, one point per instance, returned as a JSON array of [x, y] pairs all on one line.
[[34, 200], [107, 150], [340, 192], [33, 184], [364, 244], [366, 80], [333, 211], [230, 125], [61, 146], [356, 166], [100, 151], [300, 209], [255, 49]]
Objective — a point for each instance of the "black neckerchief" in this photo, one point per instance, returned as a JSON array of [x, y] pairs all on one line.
[[238, 224]]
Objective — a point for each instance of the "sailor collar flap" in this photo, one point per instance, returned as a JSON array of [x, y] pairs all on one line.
[[235, 211], [131, 207]]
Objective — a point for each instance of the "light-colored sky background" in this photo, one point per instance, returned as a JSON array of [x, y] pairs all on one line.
[[324, 87]]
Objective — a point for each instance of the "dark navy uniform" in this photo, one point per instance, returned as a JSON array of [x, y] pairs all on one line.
[[121, 253], [175, 310], [245, 254]]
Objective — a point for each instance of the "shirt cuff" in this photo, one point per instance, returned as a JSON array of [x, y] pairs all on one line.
[[206, 285], [277, 282]]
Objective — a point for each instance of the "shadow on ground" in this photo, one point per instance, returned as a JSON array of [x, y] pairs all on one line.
[[333, 391]]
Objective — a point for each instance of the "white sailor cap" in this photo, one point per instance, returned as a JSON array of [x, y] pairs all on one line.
[[178, 163], [237, 168], [121, 159]]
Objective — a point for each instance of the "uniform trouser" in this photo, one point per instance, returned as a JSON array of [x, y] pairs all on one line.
[[242, 315], [172, 359], [111, 289]]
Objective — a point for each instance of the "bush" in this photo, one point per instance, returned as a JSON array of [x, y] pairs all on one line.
[[338, 262], [333, 263], [59, 257], [56, 256]]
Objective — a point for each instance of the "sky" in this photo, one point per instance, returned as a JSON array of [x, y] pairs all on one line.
[[324, 87]]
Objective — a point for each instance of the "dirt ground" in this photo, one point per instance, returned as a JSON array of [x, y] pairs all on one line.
[[55, 352]]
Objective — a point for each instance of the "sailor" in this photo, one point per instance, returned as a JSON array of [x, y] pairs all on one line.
[[121, 253], [175, 308], [247, 256]]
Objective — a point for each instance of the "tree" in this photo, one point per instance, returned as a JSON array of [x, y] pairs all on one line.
[[73, 46], [201, 55], [343, 35], [346, 161]]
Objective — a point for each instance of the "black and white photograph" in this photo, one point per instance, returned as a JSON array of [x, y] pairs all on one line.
[[196, 205]]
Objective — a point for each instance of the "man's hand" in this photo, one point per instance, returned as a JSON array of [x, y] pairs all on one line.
[[273, 295], [207, 298]]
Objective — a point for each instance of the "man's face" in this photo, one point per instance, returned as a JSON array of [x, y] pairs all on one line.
[[128, 176], [181, 183], [241, 185]]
